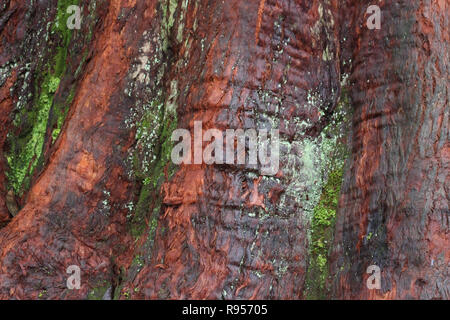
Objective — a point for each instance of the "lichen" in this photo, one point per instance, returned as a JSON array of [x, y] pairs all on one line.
[[334, 152], [154, 119]]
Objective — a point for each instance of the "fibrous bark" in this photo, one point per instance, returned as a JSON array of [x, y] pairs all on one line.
[[227, 231], [85, 138], [74, 213], [393, 211]]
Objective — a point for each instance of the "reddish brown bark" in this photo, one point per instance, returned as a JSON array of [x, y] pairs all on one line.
[[394, 205], [65, 220], [11, 18], [6, 105], [223, 231], [229, 231]]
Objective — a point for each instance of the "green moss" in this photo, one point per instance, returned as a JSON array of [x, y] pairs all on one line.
[[126, 295], [61, 109], [138, 222], [334, 153], [65, 34], [42, 294], [138, 261], [60, 23], [26, 150], [25, 154], [321, 235], [99, 291], [59, 115]]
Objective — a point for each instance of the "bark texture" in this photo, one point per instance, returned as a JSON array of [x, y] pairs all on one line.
[[74, 212], [394, 205], [86, 118], [227, 231]]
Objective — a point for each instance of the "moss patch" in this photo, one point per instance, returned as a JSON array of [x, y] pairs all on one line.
[[99, 291], [25, 154], [334, 151], [322, 224], [26, 149]]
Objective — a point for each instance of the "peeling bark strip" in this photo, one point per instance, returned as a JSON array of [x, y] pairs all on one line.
[[394, 209], [227, 231]]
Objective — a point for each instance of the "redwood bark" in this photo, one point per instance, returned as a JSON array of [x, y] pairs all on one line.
[[227, 231], [6, 105], [74, 213], [11, 16], [393, 210]]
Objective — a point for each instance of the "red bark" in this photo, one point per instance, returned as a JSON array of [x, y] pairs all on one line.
[[11, 18], [74, 213], [393, 210], [6, 105], [223, 231], [229, 231]]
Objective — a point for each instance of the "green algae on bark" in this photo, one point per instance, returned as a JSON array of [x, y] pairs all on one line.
[[335, 152], [322, 224], [26, 148]]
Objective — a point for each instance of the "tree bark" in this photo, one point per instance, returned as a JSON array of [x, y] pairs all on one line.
[[228, 231], [85, 147], [74, 212], [393, 210]]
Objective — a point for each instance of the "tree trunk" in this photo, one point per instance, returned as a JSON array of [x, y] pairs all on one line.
[[393, 210], [74, 212], [228, 231], [85, 149]]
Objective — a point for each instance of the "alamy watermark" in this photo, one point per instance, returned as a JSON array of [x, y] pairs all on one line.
[[74, 21], [374, 20], [263, 146], [74, 281], [374, 280]]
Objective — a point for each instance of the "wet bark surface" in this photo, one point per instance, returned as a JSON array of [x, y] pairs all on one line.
[[227, 231], [74, 213], [393, 210], [85, 137]]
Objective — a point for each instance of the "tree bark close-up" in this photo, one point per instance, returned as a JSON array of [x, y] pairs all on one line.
[[353, 94]]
